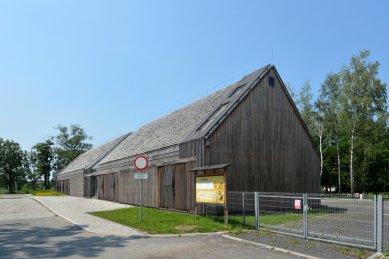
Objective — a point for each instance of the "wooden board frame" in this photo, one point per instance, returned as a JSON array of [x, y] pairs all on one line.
[[213, 172]]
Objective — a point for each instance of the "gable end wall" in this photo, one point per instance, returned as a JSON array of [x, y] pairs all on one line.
[[266, 144], [76, 182]]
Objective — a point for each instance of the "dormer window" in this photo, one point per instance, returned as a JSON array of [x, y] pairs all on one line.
[[236, 91], [213, 116]]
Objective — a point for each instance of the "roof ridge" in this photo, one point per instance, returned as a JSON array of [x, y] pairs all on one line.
[[215, 117], [175, 127], [112, 146], [82, 161]]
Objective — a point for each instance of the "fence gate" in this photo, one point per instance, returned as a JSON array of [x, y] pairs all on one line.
[[281, 212], [338, 219], [341, 220]]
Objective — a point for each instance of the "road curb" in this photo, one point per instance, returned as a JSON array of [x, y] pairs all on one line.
[[377, 255], [189, 234], [270, 247], [78, 225]]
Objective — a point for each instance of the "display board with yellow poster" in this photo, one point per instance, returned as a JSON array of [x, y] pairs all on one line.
[[210, 189]]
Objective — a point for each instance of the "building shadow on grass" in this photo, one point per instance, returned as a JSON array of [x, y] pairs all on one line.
[[19, 240]]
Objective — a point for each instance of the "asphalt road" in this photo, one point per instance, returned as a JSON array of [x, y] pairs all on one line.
[[28, 230]]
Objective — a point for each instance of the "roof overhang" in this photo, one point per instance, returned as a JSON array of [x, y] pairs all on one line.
[[210, 167]]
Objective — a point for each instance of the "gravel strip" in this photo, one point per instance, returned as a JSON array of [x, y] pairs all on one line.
[[305, 246]]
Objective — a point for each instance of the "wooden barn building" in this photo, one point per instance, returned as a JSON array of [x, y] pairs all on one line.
[[71, 179], [251, 130]]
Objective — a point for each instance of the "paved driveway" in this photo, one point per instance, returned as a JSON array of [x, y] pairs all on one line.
[[28, 230], [74, 209]]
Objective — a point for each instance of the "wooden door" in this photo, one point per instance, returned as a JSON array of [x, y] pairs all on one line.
[[100, 188], [117, 189], [167, 195]]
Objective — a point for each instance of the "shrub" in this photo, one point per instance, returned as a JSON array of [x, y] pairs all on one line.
[[48, 193]]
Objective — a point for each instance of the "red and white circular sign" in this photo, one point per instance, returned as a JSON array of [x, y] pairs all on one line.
[[141, 163]]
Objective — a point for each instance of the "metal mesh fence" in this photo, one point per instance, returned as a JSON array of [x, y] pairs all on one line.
[[341, 219], [281, 212], [385, 233], [241, 208]]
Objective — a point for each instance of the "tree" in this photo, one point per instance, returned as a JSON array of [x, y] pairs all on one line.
[[313, 115], [13, 163], [43, 156], [70, 143], [363, 98], [305, 104], [33, 175], [330, 93]]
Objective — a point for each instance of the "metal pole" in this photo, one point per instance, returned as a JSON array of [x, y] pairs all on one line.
[[305, 215], [141, 199], [379, 223], [256, 199], [375, 222], [244, 212]]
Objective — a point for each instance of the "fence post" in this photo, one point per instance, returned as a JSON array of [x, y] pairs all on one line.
[[256, 199], [375, 222], [379, 222], [305, 215], [244, 212]]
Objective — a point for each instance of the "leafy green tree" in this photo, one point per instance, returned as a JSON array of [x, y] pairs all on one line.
[[33, 174], [329, 98], [363, 99], [349, 125], [43, 156], [314, 116], [304, 102], [13, 163], [70, 143]]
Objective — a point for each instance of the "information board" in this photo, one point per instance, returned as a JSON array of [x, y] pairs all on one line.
[[210, 189]]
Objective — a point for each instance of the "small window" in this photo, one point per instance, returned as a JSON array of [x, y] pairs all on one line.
[[271, 81]]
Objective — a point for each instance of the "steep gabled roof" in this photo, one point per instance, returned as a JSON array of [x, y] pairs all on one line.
[[90, 158], [183, 124], [220, 112]]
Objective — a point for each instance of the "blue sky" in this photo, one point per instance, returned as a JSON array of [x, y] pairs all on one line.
[[113, 66]]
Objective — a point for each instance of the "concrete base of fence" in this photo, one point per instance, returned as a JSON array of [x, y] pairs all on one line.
[[376, 256]]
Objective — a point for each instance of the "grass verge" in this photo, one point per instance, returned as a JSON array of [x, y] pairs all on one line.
[[156, 221], [166, 222]]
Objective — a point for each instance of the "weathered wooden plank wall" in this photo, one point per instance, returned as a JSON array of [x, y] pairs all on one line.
[[76, 182], [177, 186], [127, 188], [266, 144], [192, 148], [264, 141]]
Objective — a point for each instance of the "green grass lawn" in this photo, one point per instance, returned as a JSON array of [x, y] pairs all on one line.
[[266, 219], [165, 222]]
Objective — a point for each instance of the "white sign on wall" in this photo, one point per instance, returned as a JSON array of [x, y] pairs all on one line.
[[141, 176]]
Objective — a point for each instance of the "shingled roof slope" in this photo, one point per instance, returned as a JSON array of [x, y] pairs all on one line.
[[90, 158], [174, 127]]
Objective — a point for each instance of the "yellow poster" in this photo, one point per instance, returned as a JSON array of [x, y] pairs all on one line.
[[210, 189]]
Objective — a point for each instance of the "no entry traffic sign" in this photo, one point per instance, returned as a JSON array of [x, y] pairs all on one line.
[[141, 163]]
